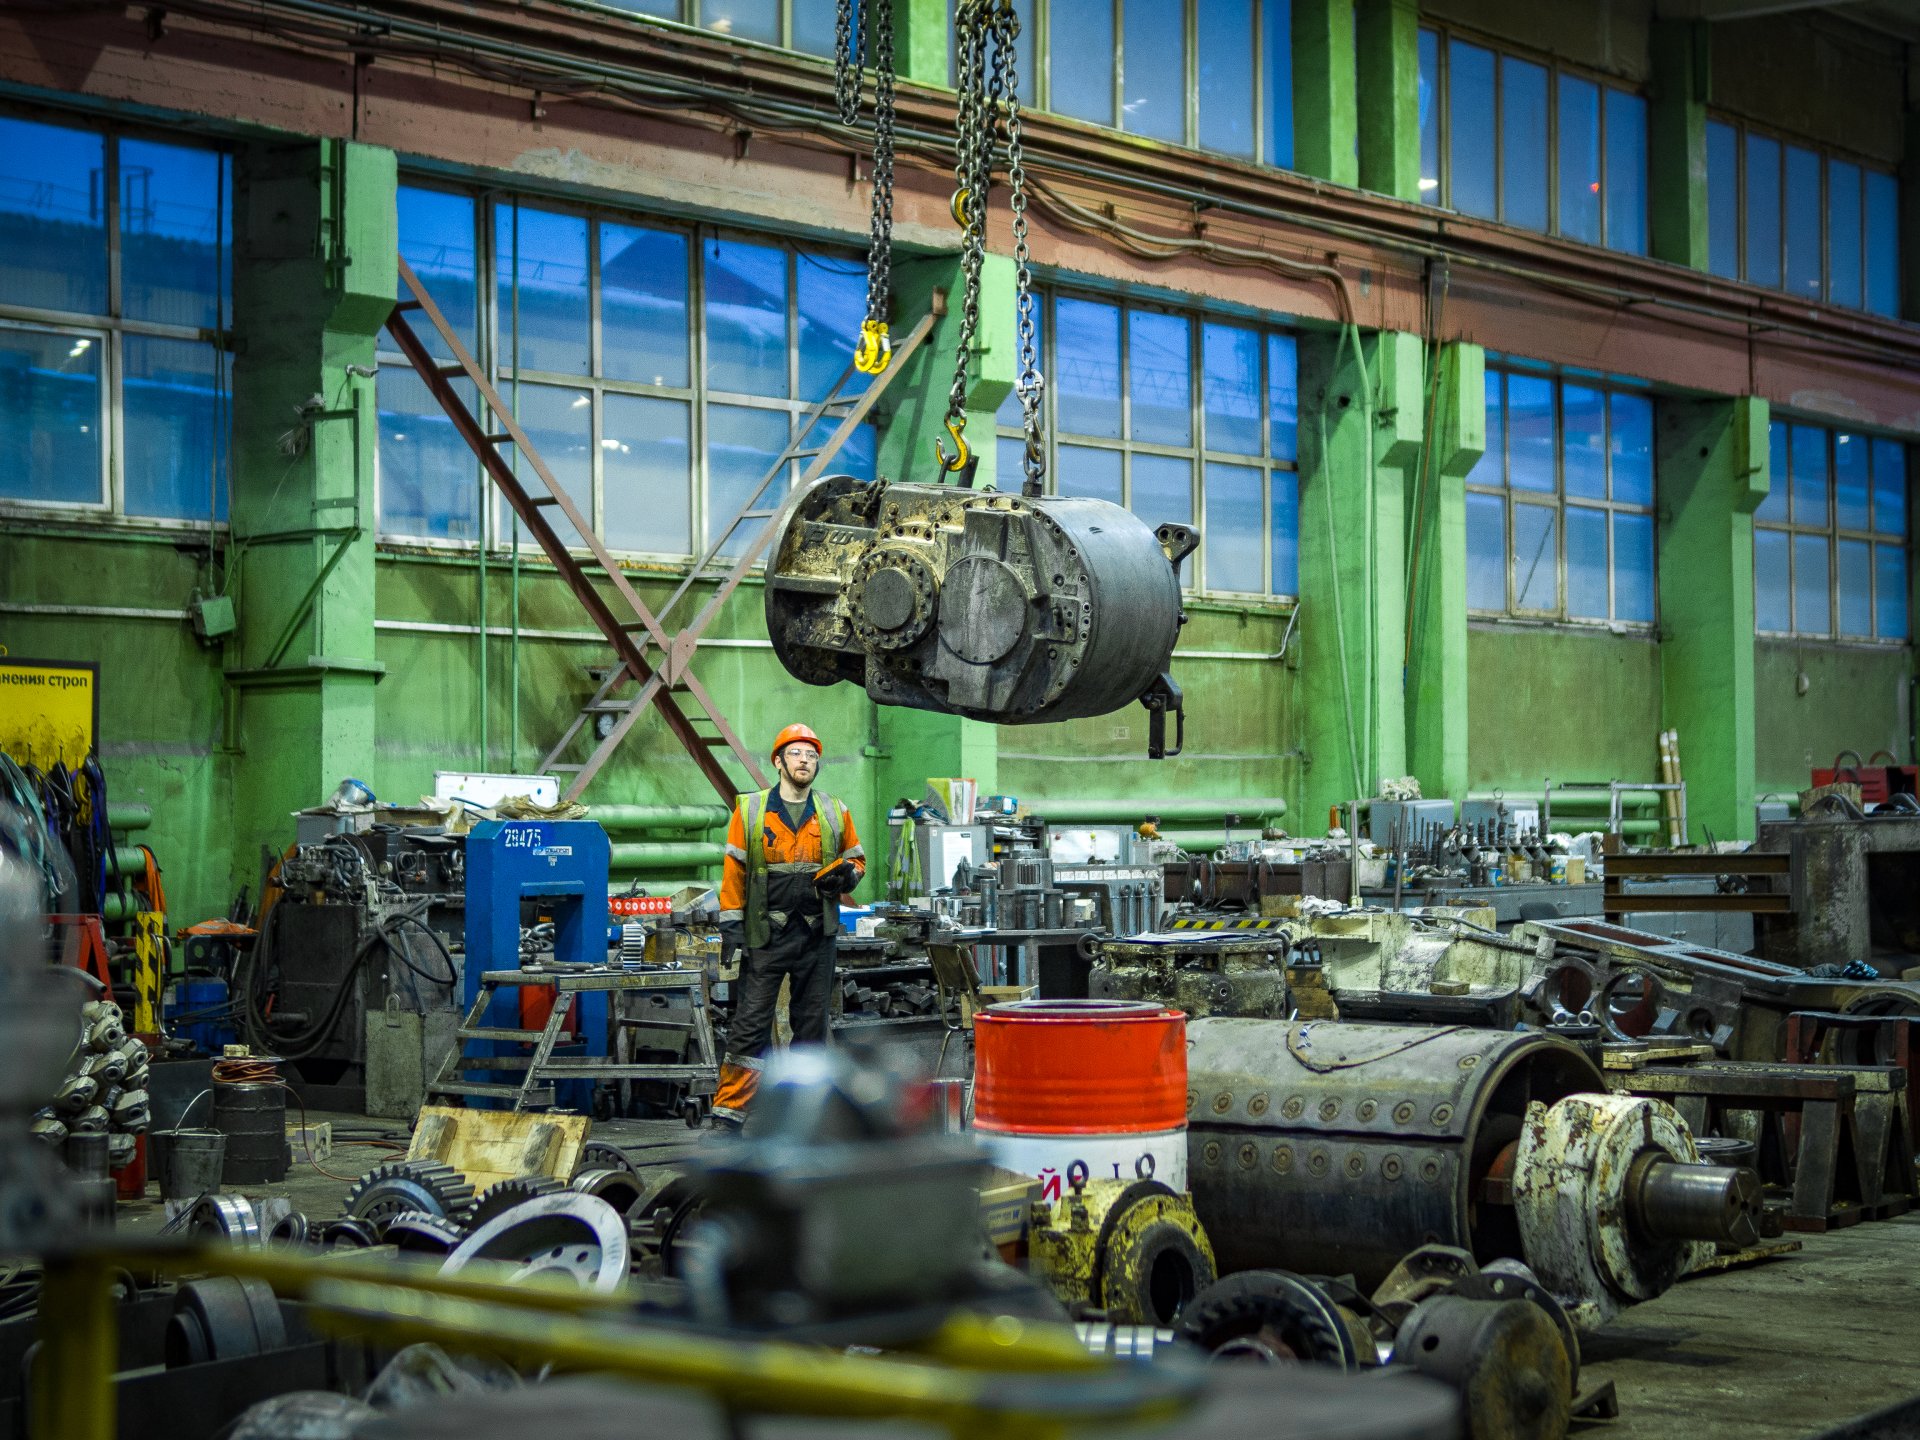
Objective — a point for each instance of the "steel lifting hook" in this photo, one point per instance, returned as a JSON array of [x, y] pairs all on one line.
[[958, 461], [874, 350]]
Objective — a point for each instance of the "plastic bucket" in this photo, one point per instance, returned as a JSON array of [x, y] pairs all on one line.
[[189, 1162]]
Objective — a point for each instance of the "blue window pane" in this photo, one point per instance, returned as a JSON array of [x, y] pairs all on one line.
[[1579, 159], [1630, 429], [832, 306], [1154, 78], [1523, 152], [746, 317], [1850, 469], [1723, 200], [1536, 557], [1284, 511], [1080, 59], [1085, 471], [176, 242], [860, 454], [1774, 507], [1843, 233], [1160, 377], [1230, 388], [1812, 608], [50, 431], [1470, 128], [1809, 464], [1491, 467], [643, 305], [1803, 223], [1233, 529], [1772, 604], [436, 239], [1486, 552], [1276, 82], [1626, 172], [742, 445], [1226, 76], [816, 25], [543, 321], [1283, 397], [559, 423], [1583, 413], [1586, 563], [53, 218], [743, 19], [175, 428], [1009, 413], [429, 479], [1162, 491], [1853, 577], [1763, 210], [1889, 487], [1883, 243], [665, 9], [1087, 362], [1530, 440], [646, 461], [1430, 116], [1890, 598], [1007, 474], [1633, 568]]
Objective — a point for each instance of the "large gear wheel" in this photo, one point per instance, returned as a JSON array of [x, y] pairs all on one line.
[[400, 1186], [1270, 1316], [503, 1195], [603, 1155], [413, 1233]]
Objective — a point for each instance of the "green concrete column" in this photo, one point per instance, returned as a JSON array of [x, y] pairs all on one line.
[[314, 278], [1677, 141], [1437, 567], [921, 41], [1711, 457], [1324, 120], [1389, 98], [1359, 439], [916, 403]]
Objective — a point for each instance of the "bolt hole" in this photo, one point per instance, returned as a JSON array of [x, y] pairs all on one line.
[[1430, 1342]]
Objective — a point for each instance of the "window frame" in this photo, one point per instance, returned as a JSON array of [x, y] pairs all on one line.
[[1828, 156], [1560, 502], [110, 330], [1197, 455], [1442, 194], [690, 16], [497, 524], [1834, 534]]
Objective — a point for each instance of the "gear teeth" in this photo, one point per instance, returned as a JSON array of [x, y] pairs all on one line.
[[409, 1186], [503, 1195], [415, 1233]]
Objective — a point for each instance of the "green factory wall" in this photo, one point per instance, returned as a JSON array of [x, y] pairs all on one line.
[[161, 708], [1564, 704], [1857, 697]]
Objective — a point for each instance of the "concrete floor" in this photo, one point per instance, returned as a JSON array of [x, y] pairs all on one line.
[[1778, 1350]]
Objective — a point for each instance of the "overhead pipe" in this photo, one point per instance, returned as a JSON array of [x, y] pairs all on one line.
[[1253, 811], [662, 854], [659, 817], [1572, 799]]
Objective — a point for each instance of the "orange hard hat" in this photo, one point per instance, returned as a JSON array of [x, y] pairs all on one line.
[[800, 733]]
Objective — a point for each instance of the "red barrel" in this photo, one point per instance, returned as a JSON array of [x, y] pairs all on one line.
[[1079, 1067]]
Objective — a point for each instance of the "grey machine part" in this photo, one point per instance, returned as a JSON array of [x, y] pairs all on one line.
[[568, 1233], [993, 606], [1328, 1147]]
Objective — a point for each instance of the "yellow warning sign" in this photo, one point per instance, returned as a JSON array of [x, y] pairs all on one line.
[[49, 710]]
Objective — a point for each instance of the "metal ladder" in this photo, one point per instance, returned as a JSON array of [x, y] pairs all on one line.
[[534, 1091]]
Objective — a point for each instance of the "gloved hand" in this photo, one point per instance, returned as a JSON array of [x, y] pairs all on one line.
[[838, 878], [733, 939]]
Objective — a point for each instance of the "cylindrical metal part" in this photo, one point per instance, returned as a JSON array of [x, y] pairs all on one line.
[[660, 817], [1506, 1359], [128, 815], [1667, 1200], [253, 1117], [664, 854], [1331, 1148], [1252, 813], [973, 602]]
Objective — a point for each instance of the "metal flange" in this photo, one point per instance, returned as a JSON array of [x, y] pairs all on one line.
[[579, 1236]]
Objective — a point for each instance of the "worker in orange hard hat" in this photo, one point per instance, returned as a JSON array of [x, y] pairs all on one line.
[[792, 852]]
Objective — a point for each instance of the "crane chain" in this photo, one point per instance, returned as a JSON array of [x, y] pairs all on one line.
[[873, 350]]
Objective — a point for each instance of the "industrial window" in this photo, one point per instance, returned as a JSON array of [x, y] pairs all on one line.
[[1787, 216], [1174, 415], [807, 25], [1830, 540], [1560, 506], [115, 293], [658, 370], [1211, 74], [1531, 144]]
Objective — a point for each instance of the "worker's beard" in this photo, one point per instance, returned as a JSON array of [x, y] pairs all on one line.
[[786, 773]]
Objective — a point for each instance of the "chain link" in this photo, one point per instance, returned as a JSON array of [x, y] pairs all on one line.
[[849, 58], [855, 29]]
